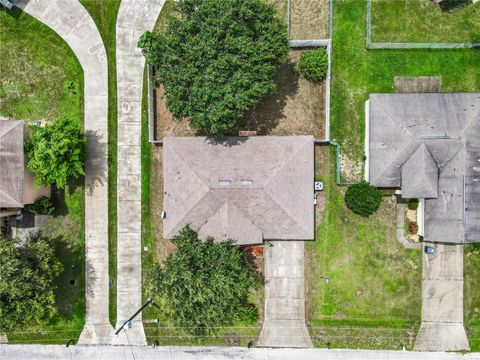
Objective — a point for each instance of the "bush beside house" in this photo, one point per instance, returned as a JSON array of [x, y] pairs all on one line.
[[363, 198], [313, 64], [56, 152]]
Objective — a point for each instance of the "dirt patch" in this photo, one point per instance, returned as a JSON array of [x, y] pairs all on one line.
[[163, 247], [351, 170], [419, 84], [296, 108], [166, 124], [309, 19]]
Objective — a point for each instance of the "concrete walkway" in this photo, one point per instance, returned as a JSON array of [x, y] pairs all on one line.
[[284, 323], [72, 22], [42, 352], [442, 301], [134, 18]]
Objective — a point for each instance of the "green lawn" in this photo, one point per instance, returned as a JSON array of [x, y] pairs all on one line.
[[104, 13], [66, 231], [40, 77], [356, 72], [423, 21], [472, 295], [373, 299]]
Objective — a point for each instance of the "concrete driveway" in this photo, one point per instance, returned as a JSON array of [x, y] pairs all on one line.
[[442, 301], [284, 323]]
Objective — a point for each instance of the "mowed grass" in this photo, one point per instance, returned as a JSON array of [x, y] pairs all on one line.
[[40, 76], [472, 295], [356, 72], [42, 79], [424, 21], [65, 229], [104, 13], [373, 298]]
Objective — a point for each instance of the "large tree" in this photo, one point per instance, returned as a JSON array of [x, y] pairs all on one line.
[[56, 152], [27, 275], [217, 59], [204, 284]]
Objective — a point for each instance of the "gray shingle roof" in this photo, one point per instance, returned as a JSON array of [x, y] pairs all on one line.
[[420, 175], [12, 161], [447, 125], [246, 189]]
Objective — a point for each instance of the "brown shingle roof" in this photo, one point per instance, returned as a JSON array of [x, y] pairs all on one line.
[[12, 161], [246, 189]]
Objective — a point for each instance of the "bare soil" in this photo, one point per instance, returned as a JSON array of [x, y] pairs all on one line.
[[166, 124], [296, 108], [309, 19]]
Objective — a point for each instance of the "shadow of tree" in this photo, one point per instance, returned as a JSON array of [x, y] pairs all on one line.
[[95, 162], [227, 141], [453, 5], [268, 113]]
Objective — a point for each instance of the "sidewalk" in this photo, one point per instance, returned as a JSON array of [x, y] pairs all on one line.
[[73, 23], [134, 18]]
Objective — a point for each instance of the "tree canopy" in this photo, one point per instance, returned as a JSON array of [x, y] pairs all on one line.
[[56, 152], [217, 60], [27, 288], [363, 199], [204, 284]]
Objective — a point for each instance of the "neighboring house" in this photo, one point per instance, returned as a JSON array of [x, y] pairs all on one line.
[[248, 189], [428, 145], [17, 187]]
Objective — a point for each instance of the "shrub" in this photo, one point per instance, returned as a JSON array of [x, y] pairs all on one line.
[[204, 285], [313, 64], [413, 228], [56, 152], [413, 204], [217, 60], [363, 198], [42, 206]]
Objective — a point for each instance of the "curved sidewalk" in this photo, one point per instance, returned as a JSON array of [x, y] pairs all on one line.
[[70, 20], [134, 18]]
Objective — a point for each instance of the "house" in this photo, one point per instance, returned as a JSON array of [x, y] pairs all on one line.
[[17, 187], [248, 189], [428, 146]]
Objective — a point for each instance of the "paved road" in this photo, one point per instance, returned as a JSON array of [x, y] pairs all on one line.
[[53, 352], [71, 21], [134, 18], [442, 301], [284, 324]]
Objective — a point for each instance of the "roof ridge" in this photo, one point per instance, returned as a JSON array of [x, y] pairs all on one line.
[[408, 133], [280, 168], [172, 148], [276, 173], [10, 198], [231, 203], [13, 123]]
